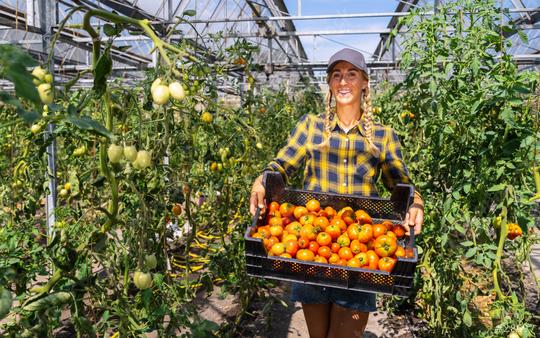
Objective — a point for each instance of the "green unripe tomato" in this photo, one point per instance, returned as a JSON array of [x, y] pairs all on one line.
[[36, 128], [151, 261], [79, 151], [177, 91], [130, 153], [63, 192], [39, 75], [143, 160], [48, 78], [160, 94], [115, 152], [259, 145], [142, 280], [207, 117], [45, 93], [156, 83], [513, 334]]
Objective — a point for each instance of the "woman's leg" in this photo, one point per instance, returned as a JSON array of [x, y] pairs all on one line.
[[346, 322], [317, 319]]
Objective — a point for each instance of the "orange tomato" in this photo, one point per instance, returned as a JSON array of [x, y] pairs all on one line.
[[285, 255], [291, 246], [289, 237], [400, 251], [286, 209], [324, 251], [303, 242], [379, 230], [339, 223], [276, 230], [333, 230], [330, 212], [335, 247], [334, 258], [365, 234], [362, 217], [307, 219], [348, 216], [294, 228], [385, 246], [305, 255], [391, 234], [287, 220], [362, 258], [321, 222], [399, 230], [274, 206], [308, 231], [342, 262], [343, 240], [313, 246], [357, 247], [373, 260], [323, 238], [300, 211], [313, 205], [354, 263], [264, 231], [386, 264], [353, 230], [274, 213], [345, 253], [269, 242], [277, 249], [320, 259], [275, 221]]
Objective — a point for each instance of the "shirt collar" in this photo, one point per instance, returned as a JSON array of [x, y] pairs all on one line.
[[359, 127]]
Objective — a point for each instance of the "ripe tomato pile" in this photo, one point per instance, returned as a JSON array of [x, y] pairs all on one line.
[[324, 235]]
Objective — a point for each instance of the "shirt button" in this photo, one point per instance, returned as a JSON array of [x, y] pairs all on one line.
[[346, 140], [345, 161], [344, 184]]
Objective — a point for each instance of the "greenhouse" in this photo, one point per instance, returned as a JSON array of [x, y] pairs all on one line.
[[269, 168]]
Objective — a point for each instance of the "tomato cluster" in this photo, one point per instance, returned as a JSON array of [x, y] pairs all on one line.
[[514, 230], [324, 235]]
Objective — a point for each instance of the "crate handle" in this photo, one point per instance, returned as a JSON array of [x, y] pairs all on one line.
[[402, 196], [273, 185]]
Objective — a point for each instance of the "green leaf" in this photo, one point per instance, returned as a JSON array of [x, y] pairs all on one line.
[[28, 116], [467, 243], [471, 252], [497, 187], [459, 228], [101, 71], [467, 319], [189, 12], [467, 188], [110, 30], [87, 123]]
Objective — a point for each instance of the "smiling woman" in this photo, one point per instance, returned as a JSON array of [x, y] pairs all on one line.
[[344, 152]]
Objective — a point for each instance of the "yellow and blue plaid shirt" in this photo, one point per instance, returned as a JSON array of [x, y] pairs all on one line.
[[347, 167]]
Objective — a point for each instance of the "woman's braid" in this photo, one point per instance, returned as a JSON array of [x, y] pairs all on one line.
[[367, 117], [325, 144]]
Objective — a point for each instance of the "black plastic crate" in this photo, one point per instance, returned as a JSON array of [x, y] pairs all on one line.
[[398, 282]]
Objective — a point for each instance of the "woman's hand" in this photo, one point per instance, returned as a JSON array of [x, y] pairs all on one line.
[[414, 218], [257, 196]]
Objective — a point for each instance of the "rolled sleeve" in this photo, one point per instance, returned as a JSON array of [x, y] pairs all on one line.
[[394, 170], [291, 156]]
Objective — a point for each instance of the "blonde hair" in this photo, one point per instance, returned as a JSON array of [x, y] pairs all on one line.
[[366, 119]]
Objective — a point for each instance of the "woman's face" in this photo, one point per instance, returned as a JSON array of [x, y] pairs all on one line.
[[346, 83]]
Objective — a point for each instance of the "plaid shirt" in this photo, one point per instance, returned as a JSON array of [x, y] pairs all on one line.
[[347, 167]]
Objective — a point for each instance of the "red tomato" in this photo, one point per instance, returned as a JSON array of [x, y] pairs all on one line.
[[362, 217], [387, 264], [385, 246]]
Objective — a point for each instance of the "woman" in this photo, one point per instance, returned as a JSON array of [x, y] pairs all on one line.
[[344, 152]]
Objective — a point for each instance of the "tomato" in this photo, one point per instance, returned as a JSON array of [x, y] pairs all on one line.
[[362, 217], [379, 230], [269, 242], [357, 247], [313, 205], [143, 160], [303, 242], [36, 128], [313, 246], [339, 223], [79, 151], [177, 91], [335, 247], [373, 260], [321, 222], [400, 251], [277, 249], [160, 94], [514, 230], [308, 231], [257, 235], [320, 259], [156, 83], [348, 216], [286, 255], [259, 145], [354, 263], [176, 209], [365, 234], [294, 228], [67, 186], [305, 255], [206, 117], [275, 221], [324, 251], [286, 209], [307, 219], [264, 231], [386, 264], [391, 234], [343, 240], [288, 237], [323, 238], [150, 261], [130, 153], [45, 93], [39, 75], [115, 153], [272, 214], [399, 230], [300, 211], [63, 193], [276, 230], [362, 258], [142, 280], [273, 206], [48, 78], [334, 258], [342, 262], [333, 230], [330, 212], [353, 230], [385, 246], [291, 246], [345, 253]]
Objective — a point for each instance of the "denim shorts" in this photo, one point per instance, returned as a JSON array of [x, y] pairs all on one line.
[[312, 294]]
